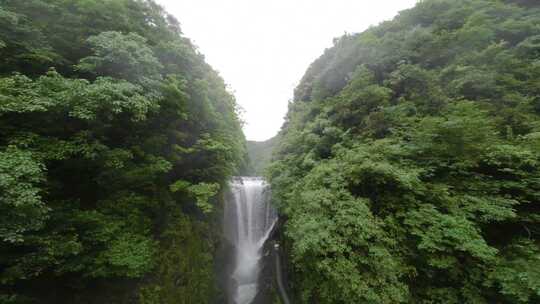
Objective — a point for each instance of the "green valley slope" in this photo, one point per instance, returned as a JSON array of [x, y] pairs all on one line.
[[115, 139], [260, 154], [408, 168]]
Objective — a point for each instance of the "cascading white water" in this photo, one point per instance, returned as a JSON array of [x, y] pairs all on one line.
[[249, 220]]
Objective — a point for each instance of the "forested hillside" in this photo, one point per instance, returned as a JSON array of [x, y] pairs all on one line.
[[260, 154], [408, 169], [115, 137]]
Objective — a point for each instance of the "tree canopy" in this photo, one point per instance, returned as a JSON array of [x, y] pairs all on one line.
[[115, 137], [408, 168], [260, 154]]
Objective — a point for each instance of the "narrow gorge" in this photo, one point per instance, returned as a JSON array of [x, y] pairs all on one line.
[[406, 168]]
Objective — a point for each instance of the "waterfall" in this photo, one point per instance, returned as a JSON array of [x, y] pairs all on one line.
[[249, 220]]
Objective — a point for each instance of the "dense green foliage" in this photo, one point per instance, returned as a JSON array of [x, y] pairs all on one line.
[[260, 154], [409, 165], [115, 137]]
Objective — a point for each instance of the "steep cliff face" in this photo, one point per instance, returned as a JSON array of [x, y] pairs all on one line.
[[408, 166]]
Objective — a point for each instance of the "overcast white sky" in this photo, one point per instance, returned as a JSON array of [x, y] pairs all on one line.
[[263, 47]]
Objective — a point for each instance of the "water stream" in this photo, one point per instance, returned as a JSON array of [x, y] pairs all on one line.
[[249, 219]]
